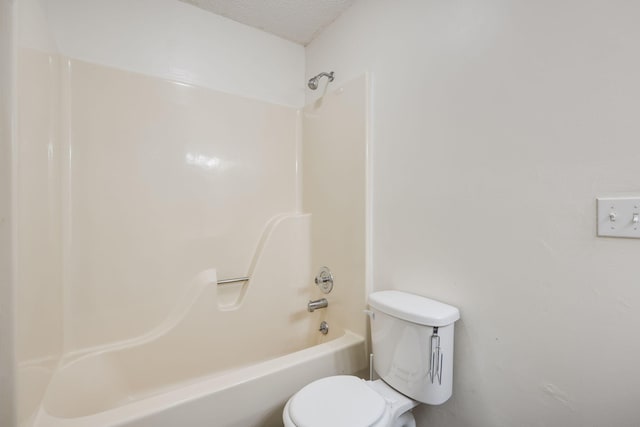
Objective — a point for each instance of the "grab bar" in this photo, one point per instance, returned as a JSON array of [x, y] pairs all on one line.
[[234, 280]]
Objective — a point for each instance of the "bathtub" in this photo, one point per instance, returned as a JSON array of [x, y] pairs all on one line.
[[248, 396], [207, 364], [224, 356]]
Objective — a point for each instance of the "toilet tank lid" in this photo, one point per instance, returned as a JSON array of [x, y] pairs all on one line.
[[414, 308]]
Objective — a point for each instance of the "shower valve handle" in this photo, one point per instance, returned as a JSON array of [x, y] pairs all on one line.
[[324, 280]]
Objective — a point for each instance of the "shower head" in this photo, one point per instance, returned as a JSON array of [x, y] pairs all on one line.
[[313, 81]]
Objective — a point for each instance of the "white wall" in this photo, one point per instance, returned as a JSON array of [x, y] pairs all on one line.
[[176, 41], [495, 125], [7, 362]]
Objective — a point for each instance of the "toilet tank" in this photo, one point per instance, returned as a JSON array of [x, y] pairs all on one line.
[[412, 343]]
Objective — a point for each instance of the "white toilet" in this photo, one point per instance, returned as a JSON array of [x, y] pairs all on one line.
[[412, 342]]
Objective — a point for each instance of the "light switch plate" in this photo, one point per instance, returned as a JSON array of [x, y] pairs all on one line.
[[619, 217]]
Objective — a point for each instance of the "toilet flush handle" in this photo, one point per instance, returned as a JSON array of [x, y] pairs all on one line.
[[436, 358]]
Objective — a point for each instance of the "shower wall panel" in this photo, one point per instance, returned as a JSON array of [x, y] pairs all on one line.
[[335, 168], [38, 220], [125, 186], [165, 180], [38, 292], [36, 164]]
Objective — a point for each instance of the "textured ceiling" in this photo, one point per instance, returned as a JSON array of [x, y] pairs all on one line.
[[295, 20]]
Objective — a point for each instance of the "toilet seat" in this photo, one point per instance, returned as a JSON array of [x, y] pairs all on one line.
[[337, 401], [345, 401]]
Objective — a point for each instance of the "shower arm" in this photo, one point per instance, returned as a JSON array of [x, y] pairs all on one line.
[[324, 74]]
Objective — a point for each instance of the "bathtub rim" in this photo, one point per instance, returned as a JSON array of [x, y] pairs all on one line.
[[201, 388]]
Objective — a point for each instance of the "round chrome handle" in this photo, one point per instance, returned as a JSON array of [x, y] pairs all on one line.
[[324, 328], [324, 280]]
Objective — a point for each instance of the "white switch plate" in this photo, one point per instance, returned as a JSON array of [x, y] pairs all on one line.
[[616, 217]]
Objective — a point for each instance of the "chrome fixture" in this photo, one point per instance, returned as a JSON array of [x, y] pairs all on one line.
[[370, 366], [324, 280], [234, 280], [313, 81], [324, 328], [316, 304]]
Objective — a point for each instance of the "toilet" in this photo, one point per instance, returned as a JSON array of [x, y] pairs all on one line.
[[412, 343]]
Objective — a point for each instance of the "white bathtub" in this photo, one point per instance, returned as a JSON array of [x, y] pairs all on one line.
[[225, 356], [253, 395]]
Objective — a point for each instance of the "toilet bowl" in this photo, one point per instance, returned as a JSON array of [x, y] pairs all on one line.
[[412, 342], [348, 401]]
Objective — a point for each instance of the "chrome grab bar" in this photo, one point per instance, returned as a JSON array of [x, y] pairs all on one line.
[[234, 280]]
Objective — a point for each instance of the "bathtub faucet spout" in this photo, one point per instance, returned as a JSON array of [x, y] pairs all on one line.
[[316, 304]]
